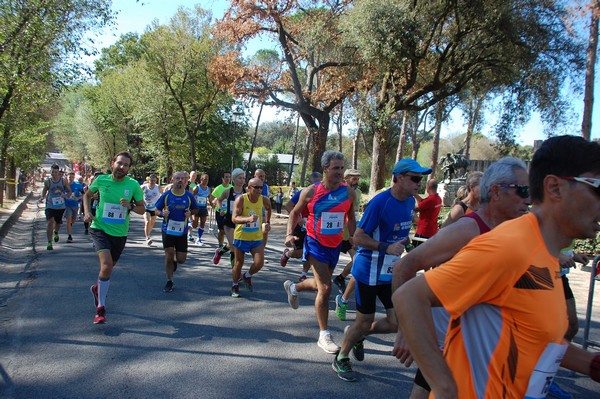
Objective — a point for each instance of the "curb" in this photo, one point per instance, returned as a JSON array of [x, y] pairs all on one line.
[[16, 212]]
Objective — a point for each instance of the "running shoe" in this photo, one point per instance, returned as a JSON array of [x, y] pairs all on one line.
[[284, 258], [292, 299], [49, 246], [190, 238], [340, 282], [199, 242], [557, 392], [358, 349], [302, 278], [168, 286], [326, 343], [149, 241], [248, 282], [100, 317], [94, 290], [56, 236], [235, 291], [343, 368], [217, 256], [69, 239], [340, 307]]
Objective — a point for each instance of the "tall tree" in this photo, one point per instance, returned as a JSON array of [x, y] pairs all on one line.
[[179, 54], [592, 50], [420, 53], [313, 75]]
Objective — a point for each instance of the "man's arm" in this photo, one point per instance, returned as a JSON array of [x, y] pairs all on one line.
[[87, 205], [582, 361], [412, 304], [236, 213]]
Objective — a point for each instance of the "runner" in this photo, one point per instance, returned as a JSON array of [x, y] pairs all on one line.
[[330, 204], [152, 192], [175, 206], [504, 291], [220, 217], [381, 236], [55, 190], [252, 214], [225, 202], [203, 198], [120, 195], [72, 204]]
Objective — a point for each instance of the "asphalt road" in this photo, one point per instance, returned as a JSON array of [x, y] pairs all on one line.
[[196, 342]]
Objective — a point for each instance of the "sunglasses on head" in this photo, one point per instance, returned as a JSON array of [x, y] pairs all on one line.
[[590, 181], [257, 187], [415, 179], [521, 190]]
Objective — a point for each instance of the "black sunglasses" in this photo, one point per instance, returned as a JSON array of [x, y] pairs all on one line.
[[257, 187], [415, 179], [521, 190]]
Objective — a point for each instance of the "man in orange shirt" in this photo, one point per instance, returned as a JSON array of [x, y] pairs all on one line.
[[504, 292]]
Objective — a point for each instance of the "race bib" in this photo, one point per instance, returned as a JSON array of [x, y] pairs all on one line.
[[251, 227], [388, 267], [114, 214], [545, 370], [230, 206], [332, 222], [201, 201], [57, 202], [175, 227]]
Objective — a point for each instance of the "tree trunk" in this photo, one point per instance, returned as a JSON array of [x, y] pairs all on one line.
[[262, 104], [319, 136], [355, 143], [339, 126], [306, 155], [588, 99], [436, 139], [11, 188], [402, 138], [378, 164], [294, 149]]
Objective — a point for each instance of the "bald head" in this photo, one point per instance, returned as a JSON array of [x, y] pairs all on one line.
[[260, 174]]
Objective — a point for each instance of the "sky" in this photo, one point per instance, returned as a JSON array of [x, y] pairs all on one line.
[[135, 16]]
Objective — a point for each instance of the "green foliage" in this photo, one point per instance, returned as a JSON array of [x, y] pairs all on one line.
[[590, 247]]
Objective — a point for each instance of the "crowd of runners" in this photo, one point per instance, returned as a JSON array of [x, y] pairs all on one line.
[[472, 323]]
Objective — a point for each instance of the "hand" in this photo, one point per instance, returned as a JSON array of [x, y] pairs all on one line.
[[581, 258], [253, 218], [165, 212], [266, 227], [188, 213], [401, 351], [397, 248], [124, 202], [88, 217], [289, 240]]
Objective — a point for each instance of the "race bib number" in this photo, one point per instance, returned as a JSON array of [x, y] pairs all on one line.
[[388, 267], [201, 201], [332, 222], [175, 227], [114, 214], [251, 227], [57, 202], [544, 371]]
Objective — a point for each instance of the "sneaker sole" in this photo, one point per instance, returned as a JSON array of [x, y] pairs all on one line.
[[341, 377], [330, 351]]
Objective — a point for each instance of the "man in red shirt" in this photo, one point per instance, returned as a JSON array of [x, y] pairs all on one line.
[[429, 209]]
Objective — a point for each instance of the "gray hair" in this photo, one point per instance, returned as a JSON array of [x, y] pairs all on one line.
[[328, 156], [502, 171]]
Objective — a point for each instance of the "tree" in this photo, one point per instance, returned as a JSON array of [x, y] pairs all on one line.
[[592, 49], [313, 73], [420, 53], [179, 54]]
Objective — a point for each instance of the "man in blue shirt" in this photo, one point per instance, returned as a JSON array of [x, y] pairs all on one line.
[[175, 206], [72, 204], [381, 235]]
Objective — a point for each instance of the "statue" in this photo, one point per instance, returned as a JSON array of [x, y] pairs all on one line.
[[452, 163]]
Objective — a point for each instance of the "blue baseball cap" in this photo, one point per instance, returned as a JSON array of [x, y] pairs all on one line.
[[410, 165]]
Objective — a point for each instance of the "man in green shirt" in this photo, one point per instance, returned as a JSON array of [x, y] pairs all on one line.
[[119, 194], [226, 185]]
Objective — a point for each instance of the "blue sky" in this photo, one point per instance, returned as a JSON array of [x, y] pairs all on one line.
[[135, 16]]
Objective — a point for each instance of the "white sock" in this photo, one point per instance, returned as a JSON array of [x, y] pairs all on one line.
[[102, 291], [322, 333], [293, 289]]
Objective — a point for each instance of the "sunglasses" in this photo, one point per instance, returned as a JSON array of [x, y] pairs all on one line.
[[590, 181], [415, 179], [257, 187], [521, 190]]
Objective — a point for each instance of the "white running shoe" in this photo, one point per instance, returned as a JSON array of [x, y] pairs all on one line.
[[326, 343]]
